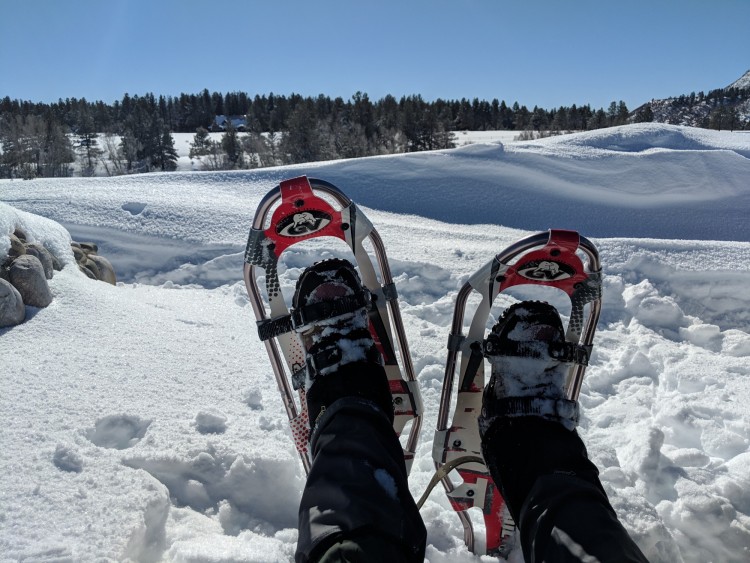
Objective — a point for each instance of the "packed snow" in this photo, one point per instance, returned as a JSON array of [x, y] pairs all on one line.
[[142, 421]]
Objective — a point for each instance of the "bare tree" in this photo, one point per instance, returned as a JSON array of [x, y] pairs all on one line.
[[112, 158]]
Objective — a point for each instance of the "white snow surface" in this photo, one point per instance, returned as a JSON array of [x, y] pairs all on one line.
[[142, 422]]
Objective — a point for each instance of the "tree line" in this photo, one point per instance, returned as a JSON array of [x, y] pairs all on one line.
[[39, 139]]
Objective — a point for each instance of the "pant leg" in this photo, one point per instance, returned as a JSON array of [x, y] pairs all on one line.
[[357, 496], [554, 493], [363, 547]]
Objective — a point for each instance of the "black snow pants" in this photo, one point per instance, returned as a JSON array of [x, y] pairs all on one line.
[[554, 494], [356, 506]]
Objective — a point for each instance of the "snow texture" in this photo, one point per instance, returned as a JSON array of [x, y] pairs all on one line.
[[142, 422]]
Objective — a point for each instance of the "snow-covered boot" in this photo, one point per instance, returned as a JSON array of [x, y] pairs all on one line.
[[530, 361], [527, 424], [330, 312]]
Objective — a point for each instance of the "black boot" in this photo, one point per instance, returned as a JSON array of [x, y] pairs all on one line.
[[330, 310], [532, 449], [356, 504]]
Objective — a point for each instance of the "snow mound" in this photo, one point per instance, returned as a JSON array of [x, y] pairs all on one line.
[[647, 137]]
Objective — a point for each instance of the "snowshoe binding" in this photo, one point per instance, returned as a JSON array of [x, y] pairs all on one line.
[[526, 332], [529, 360], [329, 298], [330, 306]]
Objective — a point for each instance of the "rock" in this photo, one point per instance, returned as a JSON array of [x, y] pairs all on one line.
[[79, 254], [91, 265], [86, 271], [27, 276], [89, 247], [36, 249], [16, 247], [20, 234], [106, 271], [55, 263], [12, 310]]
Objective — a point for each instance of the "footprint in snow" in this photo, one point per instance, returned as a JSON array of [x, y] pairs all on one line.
[[134, 207], [118, 431]]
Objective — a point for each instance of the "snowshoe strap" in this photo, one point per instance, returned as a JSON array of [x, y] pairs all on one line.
[[564, 352], [475, 362], [323, 358], [314, 362], [302, 316], [561, 410], [327, 354]]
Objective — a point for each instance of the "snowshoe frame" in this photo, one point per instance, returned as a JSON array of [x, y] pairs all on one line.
[[302, 215], [548, 259]]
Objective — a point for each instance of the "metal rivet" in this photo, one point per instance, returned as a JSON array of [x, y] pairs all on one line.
[[470, 493], [554, 252], [457, 443], [398, 400], [344, 226], [299, 202]]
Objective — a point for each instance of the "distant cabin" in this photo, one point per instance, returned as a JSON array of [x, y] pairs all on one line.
[[222, 121]]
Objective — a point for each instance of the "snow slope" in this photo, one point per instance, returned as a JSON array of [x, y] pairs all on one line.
[[142, 422]]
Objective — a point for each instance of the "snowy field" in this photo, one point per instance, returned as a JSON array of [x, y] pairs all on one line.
[[142, 422], [182, 142]]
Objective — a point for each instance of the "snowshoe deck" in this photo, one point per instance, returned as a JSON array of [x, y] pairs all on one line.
[[291, 213], [547, 259]]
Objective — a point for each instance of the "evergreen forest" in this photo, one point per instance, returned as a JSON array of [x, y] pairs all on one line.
[[134, 135]]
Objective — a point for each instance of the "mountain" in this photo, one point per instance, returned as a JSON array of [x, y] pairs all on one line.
[[742, 83], [724, 108]]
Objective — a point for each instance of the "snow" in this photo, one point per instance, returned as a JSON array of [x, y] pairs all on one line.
[[142, 422], [742, 82]]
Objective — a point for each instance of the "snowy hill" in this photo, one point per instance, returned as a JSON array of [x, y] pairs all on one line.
[[742, 82], [142, 422], [732, 102]]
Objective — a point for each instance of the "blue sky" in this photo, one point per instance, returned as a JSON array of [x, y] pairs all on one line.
[[537, 52]]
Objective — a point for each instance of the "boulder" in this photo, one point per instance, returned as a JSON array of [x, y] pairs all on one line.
[[88, 272], [106, 271], [27, 276], [16, 247], [89, 247], [44, 255], [12, 310], [79, 254], [56, 265], [91, 265]]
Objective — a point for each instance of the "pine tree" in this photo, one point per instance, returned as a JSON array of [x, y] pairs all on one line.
[[87, 144], [232, 146], [201, 144], [302, 142], [165, 156], [58, 152], [622, 113], [644, 114]]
